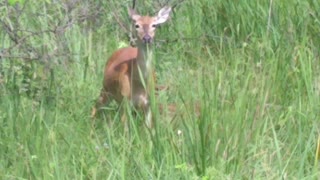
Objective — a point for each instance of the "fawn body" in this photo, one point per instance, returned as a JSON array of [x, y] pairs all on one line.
[[128, 72]]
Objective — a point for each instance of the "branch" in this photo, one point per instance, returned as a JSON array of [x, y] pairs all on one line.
[[133, 4], [178, 3], [121, 24]]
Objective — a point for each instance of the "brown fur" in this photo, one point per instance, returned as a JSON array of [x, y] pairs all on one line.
[[121, 74]]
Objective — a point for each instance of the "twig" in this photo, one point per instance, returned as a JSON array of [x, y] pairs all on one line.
[[121, 24], [175, 5], [133, 4], [191, 38]]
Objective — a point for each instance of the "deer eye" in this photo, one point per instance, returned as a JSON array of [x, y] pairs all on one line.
[[154, 25], [137, 26]]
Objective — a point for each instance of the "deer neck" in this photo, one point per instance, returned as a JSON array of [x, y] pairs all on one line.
[[144, 60]]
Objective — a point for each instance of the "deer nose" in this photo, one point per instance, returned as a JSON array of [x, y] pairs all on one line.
[[147, 38]]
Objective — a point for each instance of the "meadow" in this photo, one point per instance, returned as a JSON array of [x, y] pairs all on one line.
[[244, 77]]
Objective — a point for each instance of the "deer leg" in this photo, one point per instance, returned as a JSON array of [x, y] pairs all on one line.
[[102, 100], [125, 89], [144, 104], [148, 116]]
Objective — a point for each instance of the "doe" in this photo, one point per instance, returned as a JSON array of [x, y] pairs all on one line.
[[128, 71]]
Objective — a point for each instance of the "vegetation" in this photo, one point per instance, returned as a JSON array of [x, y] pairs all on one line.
[[244, 77]]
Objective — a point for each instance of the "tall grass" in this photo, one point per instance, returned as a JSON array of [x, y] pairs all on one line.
[[246, 95]]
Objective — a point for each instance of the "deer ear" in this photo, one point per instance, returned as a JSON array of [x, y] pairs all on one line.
[[163, 15], [133, 14]]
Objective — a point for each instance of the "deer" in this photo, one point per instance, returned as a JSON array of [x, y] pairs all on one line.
[[128, 72]]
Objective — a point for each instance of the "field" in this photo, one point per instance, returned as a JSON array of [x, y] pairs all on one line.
[[244, 77]]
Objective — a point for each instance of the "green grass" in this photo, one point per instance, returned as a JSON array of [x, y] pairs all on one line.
[[257, 86]]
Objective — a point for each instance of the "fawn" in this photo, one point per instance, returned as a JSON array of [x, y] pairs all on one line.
[[128, 71]]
